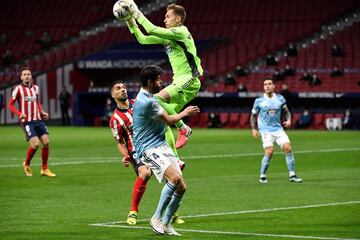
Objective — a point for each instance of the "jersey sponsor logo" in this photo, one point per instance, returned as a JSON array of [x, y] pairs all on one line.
[[168, 48], [30, 98], [272, 112]]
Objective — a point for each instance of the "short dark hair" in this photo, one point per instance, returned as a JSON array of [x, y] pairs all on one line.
[[116, 82], [150, 72], [268, 78], [178, 10]]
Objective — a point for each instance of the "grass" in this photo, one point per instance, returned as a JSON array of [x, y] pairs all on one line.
[[222, 177]]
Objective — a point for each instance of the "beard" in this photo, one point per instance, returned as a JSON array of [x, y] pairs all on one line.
[[123, 100]]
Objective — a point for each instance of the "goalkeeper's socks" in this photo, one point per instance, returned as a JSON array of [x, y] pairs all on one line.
[[265, 164], [172, 208], [165, 197], [290, 161]]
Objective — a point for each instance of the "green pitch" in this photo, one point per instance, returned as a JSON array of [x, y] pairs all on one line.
[[90, 197]]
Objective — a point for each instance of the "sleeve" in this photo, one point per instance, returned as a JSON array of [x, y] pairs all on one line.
[[283, 102], [255, 108], [176, 33], [142, 39], [116, 130], [11, 104], [153, 109]]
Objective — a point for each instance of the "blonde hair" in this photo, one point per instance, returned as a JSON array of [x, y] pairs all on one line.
[[178, 10]]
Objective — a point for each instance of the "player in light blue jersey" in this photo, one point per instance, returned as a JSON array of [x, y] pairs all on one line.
[[150, 121], [267, 110]]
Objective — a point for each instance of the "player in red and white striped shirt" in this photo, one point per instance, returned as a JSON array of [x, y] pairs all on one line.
[[121, 124], [31, 114]]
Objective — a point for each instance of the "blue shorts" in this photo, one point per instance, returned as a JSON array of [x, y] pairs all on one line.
[[34, 129]]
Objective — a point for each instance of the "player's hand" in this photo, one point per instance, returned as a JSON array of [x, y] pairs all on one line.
[[287, 124], [126, 161], [192, 110], [22, 116], [44, 115], [131, 22], [133, 9], [255, 133]]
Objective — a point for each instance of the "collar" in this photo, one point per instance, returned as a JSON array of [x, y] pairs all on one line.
[[266, 96], [146, 92]]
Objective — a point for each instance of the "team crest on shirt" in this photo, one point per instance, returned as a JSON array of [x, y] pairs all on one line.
[[155, 106], [272, 112]]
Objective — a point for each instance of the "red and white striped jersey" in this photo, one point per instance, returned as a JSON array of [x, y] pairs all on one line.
[[28, 99], [121, 124]]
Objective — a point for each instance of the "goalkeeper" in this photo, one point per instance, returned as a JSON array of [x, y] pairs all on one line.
[[181, 50]]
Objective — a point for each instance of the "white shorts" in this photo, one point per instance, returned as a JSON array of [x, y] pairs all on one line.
[[159, 159], [280, 137]]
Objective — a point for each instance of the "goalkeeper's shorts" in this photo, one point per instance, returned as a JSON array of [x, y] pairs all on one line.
[[183, 91]]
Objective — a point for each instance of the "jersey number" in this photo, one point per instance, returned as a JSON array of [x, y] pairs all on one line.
[[28, 132]]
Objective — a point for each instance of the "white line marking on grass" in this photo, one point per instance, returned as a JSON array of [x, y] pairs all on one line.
[[230, 233], [248, 211], [89, 160]]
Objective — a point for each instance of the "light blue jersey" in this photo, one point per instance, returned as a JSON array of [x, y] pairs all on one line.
[[149, 130], [269, 112]]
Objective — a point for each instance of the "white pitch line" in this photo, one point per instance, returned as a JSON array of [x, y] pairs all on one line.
[[249, 211], [231, 233], [117, 159]]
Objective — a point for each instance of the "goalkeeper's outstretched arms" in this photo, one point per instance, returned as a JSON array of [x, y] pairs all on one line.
[[140, 37], [171, 33]]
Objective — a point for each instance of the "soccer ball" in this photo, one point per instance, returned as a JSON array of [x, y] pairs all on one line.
[[121, 10]]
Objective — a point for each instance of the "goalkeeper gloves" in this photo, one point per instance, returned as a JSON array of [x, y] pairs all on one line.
[[133, 9], [131, 22]]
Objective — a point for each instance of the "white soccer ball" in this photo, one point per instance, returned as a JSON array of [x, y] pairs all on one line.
[[121, 10]]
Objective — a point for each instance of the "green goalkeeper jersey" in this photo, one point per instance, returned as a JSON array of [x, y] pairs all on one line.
[[179, 46]]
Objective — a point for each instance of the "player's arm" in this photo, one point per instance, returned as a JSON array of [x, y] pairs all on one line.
[[11, 104], [140, 37], [287, 116], [125, 154], [43, 114], [13, 109], [150, 28], [253, 120], [116, 129], [171, 119]]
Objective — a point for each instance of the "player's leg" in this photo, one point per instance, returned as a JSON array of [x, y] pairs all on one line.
[[284, 142], [165, 167], [45, 171], [170, 140], [144, 174], [268, 146], [173, 98], [32, 138], [173, 175], [34, 144], [42, 132]]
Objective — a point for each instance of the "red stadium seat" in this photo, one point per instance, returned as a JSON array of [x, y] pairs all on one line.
[[233, 120], [244, 120], [318, 122], [203, 120], [224, 117]]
